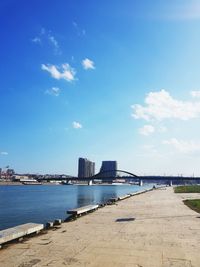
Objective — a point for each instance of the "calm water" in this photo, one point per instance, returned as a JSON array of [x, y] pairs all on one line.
[[39, 204]]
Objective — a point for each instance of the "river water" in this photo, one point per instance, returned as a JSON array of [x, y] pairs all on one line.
[[39, 204]]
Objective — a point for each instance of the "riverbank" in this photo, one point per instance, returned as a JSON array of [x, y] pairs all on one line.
[[151, 230]]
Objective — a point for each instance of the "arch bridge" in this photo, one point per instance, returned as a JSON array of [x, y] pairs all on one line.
[[111, 175], [105, 174]]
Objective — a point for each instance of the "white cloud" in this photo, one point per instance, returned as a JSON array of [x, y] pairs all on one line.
[[183, 146], [88, 64], [3, 153], [36, 40], [43, 31], [161, 105], [189, 10], [178, 10], [195, 93], [45, 36], [80, 32], [54, 42], [74, 24], [147, 130], [65, 71], [55, 91], [76, 125]]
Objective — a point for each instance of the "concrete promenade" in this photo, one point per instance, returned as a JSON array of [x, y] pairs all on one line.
[[164, 233]]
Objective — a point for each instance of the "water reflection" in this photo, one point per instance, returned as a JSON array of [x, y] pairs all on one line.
[[23, 204], [107, 193], [95, 194], [85, 196]]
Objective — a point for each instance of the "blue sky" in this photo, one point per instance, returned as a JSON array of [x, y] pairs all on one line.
[[106, 80]]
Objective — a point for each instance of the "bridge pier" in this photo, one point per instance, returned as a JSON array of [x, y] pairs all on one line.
[[140, 182], [90, 182]]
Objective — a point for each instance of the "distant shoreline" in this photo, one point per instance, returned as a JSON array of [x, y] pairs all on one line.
[[19, 183], [10, 183]]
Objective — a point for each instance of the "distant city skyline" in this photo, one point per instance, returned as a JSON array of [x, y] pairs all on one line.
[[86, 168], [108, 168], [105, 79]]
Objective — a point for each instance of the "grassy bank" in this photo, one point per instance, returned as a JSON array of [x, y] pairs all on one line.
[[187, 189], [194, 204]]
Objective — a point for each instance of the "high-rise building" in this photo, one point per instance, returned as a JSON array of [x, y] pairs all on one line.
[[109, 168], [86, 168], [93, 168]]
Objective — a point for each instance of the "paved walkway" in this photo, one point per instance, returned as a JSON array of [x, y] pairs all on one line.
[[164, 233]]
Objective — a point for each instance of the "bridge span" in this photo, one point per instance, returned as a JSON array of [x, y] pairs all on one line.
[[106, 176]]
